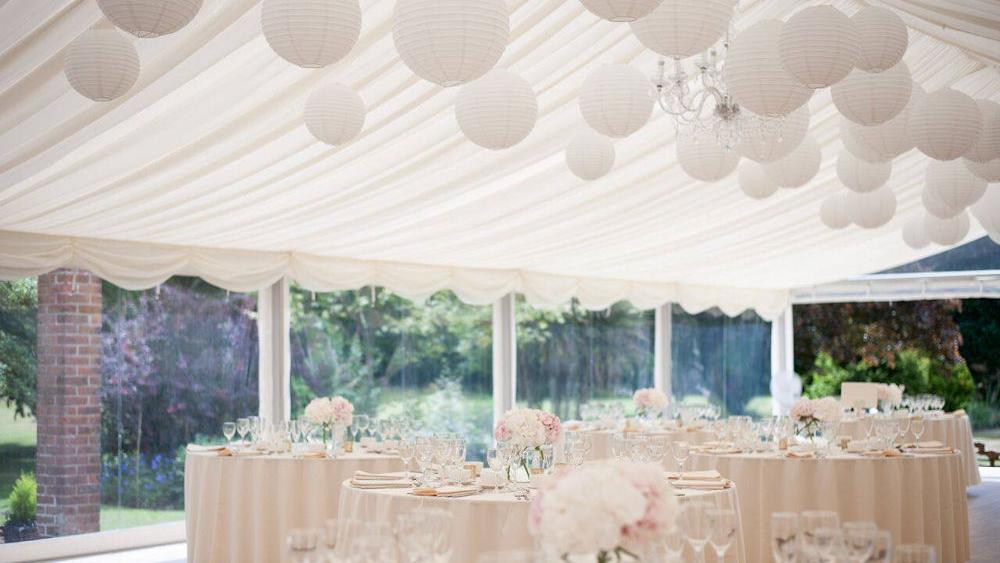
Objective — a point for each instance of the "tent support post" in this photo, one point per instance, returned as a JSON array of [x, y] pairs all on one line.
[[275, 360], [782, 356], [504, 356], [662, 353]]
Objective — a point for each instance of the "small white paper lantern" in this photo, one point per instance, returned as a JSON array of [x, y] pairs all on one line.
[[989, 171], [860, 176], [497, 111], [755, 182], [882, 39], [952, 185], [334, 114], [833, 211], [799, 167], [616, 100], [945, 124], [681, 28], [871, 210], [589, 155], [621, 10], [311, 33], [702, 158], [101, 64], [854, 147], [890, 139], [869, 99], [755, 76], [818, 46], [987, 211], [777, 139], [914, 235], [451, 42], [946, 232], [937, 207], [150, 18], [987, 146]]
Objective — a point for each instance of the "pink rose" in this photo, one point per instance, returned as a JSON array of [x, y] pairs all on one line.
[[502, 433], [553, 426]]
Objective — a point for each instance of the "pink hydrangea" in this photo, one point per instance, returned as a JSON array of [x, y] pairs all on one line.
[[553, 426], [802, 410], [342, 411], [660, 504], [502, 433]]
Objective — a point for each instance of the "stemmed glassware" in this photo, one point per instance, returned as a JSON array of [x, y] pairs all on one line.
[[917, 425], [859, 540], [255, 428], [785, 537], [406, 452], [914, 553], [680, 450], [242, 427], [425, 451], [723, 530], [817, 532], [882, 551], [696, 526], [361, 421], [228, 430]]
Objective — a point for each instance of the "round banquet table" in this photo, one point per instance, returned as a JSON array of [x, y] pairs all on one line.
[[919, 498], [493, 521], [952, 430], [239, 509], [600, 441]]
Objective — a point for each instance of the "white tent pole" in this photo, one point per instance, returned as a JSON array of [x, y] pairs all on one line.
[[504, 356], [275, 361], [782, 362], [662, 353]]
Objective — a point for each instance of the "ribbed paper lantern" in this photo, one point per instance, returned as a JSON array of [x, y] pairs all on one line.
[[914, 235], [890, 139], [681, 28], [755, 75], [937, 207], [799, 167], [311, 33], [451, 42], [818, 46], [869, 99], [860, 176], [754, 181], [871, 210], [101, 64], [882, 38], [621, 10], [778, 137], [853, 146], [590, 156], [946, 232], [702, 158], [987, 146], [989, 171], [616, 100], [334, 114], [987, 211], [953, 185], [833, 211], [945, 124], [150, 18], [498, 110]]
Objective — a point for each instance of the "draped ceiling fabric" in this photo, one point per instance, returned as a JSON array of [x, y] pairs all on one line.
[[205, 168]]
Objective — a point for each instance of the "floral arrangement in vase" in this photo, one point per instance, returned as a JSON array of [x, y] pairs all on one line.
[[529, 430], [890, 395], [810, 414], [649, 402], [611, 511], [329, 413]]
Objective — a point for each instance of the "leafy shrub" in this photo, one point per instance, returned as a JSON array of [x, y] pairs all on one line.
[[153, 481], [983, 415], [23, 498]]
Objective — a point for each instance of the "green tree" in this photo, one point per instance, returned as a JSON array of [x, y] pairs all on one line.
[[18, 329]]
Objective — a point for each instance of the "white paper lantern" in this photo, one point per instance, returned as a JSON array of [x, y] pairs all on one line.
[[497, 111], [311, 33], [702, 158], [989, 171], [818, 46], [914, 235], [869, 99], [150, 18], [833, 211], [621, 10], [616, 100], [937, 207], [987, 146], [799, 167], [890, 139], [860, 176], [754, 181], [882, 38], [951, 185], [101, 64], [590, 156], [777, 139], [945, 124], [451, 42], [755, 75], [871, 210], [854, 147], [335, 114], [681, 28], [987, 211], [946, 232]]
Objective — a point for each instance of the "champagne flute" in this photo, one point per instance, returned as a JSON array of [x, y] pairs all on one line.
[[785, 537], [228, 430]]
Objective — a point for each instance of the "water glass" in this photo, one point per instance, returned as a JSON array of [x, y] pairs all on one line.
[[914, 553], [228, 430], [785, 537], [859, 540]]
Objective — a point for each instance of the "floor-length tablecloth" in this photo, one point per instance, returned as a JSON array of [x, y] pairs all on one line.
[[920, 499], [239, 509]]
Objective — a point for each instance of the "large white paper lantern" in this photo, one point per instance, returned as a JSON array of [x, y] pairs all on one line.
[[621, 10], [869, 99], [498, 110], [451, 42], [616, 100], [833, 211], [882, 39], [987, 211], [989, 171], [681, 28], [755, 76], [702, 158], [311, 33], [987, 146], [890, 139], [754, 181], [799, 167], [777, 138], [150, 18], [854, 147], [818, 46], [945, 124], [914, 235], [335, 114], [589, 155], [871, 210], [101, 64], [937, 207], [951, 185], [860, 176], [946, 232]]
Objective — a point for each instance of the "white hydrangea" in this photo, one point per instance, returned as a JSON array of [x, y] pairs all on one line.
[[828, 409]]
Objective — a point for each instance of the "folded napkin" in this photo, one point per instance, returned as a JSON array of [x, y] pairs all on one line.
[[393, 476], [449, 492], [702, 485], [706, 475], [723, 450], [930, 451], [314, 455], [799, 454], [883, 453], [931, 444], [200, 448], [381, 484], [227, 452]]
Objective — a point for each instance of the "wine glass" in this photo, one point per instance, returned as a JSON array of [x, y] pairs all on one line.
[[425, 457], [255, 428], [242, 427], [914, 553], [882, 550], [859, 540], [815, 526], [917, 426], [228, 430], [680, 450], [695, 525], [361, 421], [785, 538], [406, 453], [723, 530]]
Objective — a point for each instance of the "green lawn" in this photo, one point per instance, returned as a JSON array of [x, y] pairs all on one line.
[[114, 518], [17, 450]]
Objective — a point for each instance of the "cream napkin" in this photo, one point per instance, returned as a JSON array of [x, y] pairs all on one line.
[[883, 453], [793, 454], [706, 475], [314, 455], [723, 450], [381, 484], [702, 485], [226, 452], [199, 448], [393, 476], [449, 492]]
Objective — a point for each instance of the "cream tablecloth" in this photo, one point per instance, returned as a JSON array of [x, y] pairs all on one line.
[[920, 499], [239, 509], [600, 441]]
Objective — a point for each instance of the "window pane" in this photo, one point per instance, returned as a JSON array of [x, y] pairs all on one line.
[[569, 355]]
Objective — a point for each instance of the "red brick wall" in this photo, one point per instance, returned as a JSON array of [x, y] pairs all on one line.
[[68, 403]]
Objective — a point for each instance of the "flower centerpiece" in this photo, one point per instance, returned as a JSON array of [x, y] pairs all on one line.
[[890, 395], [614, 511], [529, 431], [809, 415], [329, 413], [649, 402]]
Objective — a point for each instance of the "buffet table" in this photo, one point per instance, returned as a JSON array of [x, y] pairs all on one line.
[[919, 498], [239, 509]]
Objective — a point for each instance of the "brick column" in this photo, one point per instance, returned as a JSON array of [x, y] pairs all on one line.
[[68, 408]]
